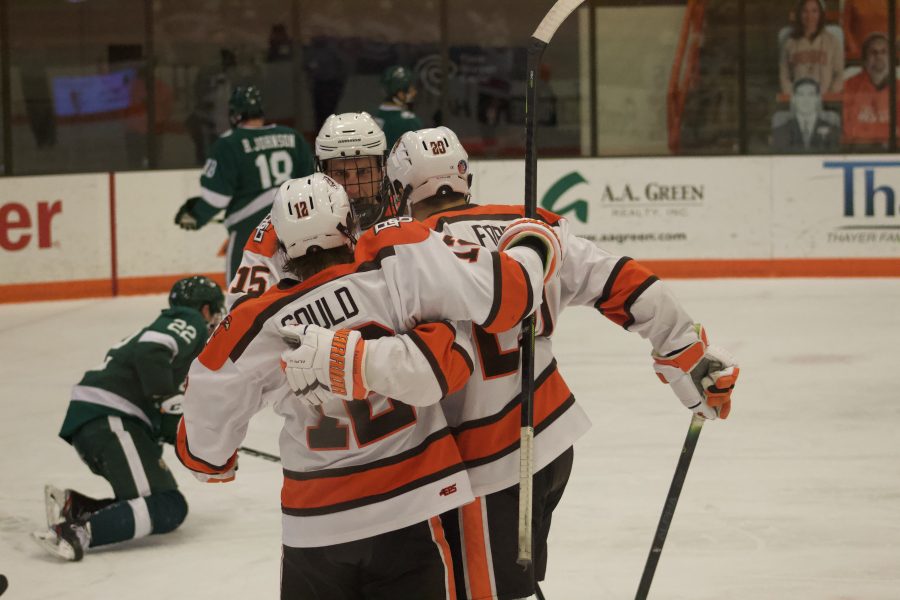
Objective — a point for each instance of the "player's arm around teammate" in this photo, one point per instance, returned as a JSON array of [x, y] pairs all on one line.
[[430, 187], [359, 470]]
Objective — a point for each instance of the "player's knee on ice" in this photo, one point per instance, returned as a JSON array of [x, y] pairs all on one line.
[[167, 510]]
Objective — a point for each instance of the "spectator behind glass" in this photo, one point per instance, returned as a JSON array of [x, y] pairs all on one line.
[[212, 88], [280, 48], [811, 51], [867, 97], [861, 18], [807, 130], [328, 71]]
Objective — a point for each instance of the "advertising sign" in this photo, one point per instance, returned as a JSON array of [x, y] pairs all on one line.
[[150, 243], [649, 208], [54, 228], [844, 207]]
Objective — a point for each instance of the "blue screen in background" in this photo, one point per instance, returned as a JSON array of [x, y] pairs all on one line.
[[92, 94]]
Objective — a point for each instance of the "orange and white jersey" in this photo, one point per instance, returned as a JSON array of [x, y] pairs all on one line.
[[485, 415], [262, 265], [360, 468]]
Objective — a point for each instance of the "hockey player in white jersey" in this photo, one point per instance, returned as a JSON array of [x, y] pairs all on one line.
[[351, 149], [428, 173], [364, 476]]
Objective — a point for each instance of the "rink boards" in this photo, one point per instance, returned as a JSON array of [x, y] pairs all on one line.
[[66, 236]]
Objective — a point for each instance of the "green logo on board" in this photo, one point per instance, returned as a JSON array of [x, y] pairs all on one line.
[[563, 185]]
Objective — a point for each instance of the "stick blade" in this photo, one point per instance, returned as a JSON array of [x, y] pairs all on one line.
[[554, 18]]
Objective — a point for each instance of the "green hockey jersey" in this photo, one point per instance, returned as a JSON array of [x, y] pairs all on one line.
[[139, 372], [245, 167], [395, 121]]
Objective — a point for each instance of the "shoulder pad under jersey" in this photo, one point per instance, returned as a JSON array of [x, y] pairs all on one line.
[[390, 232], [263, 241]]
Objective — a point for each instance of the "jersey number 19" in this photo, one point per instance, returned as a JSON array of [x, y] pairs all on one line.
[[274, 169]]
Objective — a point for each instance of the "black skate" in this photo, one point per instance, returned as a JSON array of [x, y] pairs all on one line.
[[66, 540], [69, 505]]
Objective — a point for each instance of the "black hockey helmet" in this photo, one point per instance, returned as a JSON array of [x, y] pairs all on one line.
[[245, 103], [196, 292]]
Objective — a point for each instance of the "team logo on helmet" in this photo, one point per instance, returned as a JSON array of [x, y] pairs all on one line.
[[462, 167]]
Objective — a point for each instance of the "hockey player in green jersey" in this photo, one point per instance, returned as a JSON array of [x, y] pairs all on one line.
[[244, 169], [395, 115], [119, 415]]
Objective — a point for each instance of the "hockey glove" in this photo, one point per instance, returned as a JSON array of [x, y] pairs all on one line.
[[172, 406], [538, 236], [324, 363], [170, 415], [702, 376], [225, 477], [185, 218]]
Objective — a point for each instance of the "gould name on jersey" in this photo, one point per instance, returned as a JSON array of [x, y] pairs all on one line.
[[322, 312]]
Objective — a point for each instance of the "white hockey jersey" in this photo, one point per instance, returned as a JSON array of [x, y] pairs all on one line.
[[360, 468], [262, 265], [485, 415]]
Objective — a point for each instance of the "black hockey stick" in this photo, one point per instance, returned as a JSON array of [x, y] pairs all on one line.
[[539, 41], [260, 454], [665, 520]]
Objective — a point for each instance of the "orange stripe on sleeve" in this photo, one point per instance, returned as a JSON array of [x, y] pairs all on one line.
[[626, 282], [452, 366], [192, 462], [478, 567], [234, 327], [513, 297]]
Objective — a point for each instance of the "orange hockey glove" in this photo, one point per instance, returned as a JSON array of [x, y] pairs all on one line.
[[538, 236], [324, 362], [702, 376]]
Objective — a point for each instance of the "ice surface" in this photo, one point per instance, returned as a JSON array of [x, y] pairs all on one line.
[[796, 495]]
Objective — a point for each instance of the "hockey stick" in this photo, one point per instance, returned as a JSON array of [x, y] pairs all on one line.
[[260, 454], [539, 41], [665, 520]]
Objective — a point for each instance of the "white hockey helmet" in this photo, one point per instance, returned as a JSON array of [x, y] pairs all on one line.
[[351, 148], [349, 134], [312, 212], [427, 163]]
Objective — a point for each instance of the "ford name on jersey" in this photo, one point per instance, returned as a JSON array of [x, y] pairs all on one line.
[[268, 142], [487, 232], [323, 312]]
